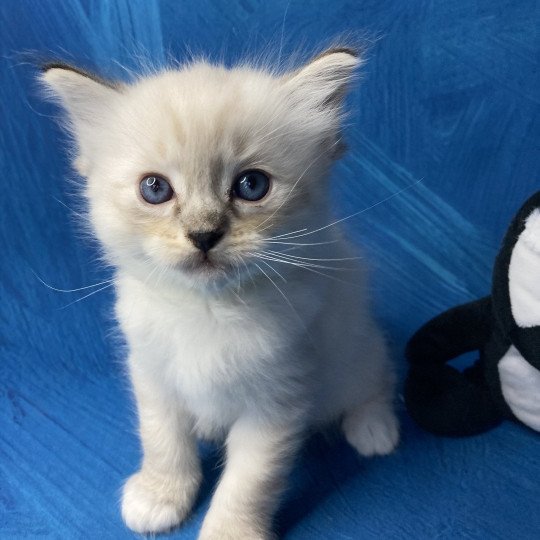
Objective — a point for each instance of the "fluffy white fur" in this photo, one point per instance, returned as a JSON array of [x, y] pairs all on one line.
[[266, 341]]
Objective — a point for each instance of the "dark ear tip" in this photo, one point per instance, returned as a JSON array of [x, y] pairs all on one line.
[[47, 66], [346, 50], [58, 64], [336, 50], [53, 65]]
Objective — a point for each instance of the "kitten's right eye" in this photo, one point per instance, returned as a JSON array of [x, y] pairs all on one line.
[[155, 189]]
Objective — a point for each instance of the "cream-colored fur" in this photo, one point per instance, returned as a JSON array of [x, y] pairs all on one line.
[[268, 341]]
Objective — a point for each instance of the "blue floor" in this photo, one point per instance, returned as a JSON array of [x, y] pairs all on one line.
[[450, 95]]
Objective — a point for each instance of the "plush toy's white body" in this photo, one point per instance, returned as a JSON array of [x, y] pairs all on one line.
[[504, 327], [223, 344], [520, 381]]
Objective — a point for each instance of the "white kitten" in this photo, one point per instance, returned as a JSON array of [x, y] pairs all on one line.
[[237, 328]]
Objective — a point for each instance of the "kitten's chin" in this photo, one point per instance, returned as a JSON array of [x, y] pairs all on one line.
[[205, 272]]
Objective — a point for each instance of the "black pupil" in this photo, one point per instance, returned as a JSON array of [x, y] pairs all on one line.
[[154, 184]]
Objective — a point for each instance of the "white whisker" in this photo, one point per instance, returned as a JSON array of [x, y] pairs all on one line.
[[248, 272], [86, 296], [310, 270], [238, 296], [302, 243], [71, 290], [274, 270], [283, 31], [282, 293], [359, 212], [66, 206], [312, 258], [238, 279], [286, 234], [301, 263]]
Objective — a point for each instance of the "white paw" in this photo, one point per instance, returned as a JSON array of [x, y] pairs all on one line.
[[152, 504], [372, 429], [232, 529], [225, 534]]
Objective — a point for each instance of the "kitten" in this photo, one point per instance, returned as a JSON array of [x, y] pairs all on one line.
[[208, 188]]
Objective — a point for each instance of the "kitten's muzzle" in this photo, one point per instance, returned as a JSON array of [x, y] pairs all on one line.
[[206, 240]]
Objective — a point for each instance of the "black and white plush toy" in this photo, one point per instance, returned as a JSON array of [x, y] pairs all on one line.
[[505, 327]]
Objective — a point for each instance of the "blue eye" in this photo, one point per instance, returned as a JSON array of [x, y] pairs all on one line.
[[155, 189], [251, 185]]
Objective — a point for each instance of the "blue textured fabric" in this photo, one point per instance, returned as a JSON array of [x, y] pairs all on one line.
[[450, 95]]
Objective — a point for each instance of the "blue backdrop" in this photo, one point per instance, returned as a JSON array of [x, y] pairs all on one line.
[[449, 96]]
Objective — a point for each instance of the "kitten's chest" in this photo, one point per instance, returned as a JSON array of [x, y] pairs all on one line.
[[224, 363], [218, 356], [202, 340], [217, 347]]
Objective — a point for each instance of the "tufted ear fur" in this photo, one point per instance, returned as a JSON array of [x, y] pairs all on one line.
[[88, 100], [323, 82]]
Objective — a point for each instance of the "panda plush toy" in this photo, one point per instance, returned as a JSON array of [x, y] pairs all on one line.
[[504, 327]]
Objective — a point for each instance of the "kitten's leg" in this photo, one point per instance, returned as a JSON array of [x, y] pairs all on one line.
[[162, 493], [371, 425], [258, 459]]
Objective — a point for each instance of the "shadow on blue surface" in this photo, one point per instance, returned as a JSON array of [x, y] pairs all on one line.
[[449, 96]]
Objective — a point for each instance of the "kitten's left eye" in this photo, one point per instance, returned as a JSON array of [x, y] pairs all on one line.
[[251, 185], [155, 189]]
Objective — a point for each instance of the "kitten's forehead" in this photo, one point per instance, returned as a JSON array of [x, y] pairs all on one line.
[[203, 107]]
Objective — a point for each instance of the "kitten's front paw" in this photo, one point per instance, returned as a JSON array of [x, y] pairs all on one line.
[[372, 429], [154, 504]]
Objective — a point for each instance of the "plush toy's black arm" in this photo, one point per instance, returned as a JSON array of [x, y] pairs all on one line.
[[440, 398], [456, 331], [527, 340]]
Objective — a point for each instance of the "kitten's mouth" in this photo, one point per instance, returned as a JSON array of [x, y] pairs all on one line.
[[207, 264], [203, 265]]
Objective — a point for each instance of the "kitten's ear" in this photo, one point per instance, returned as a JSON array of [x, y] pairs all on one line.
[[85, 96], [323, 82], [88, 99]]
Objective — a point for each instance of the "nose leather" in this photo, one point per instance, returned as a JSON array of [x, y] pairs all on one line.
[[205, 241]]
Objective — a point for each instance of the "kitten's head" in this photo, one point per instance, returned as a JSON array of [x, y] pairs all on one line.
[[189, 171]]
